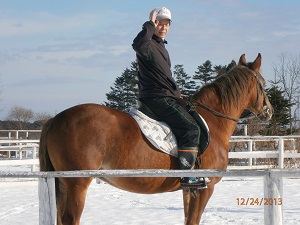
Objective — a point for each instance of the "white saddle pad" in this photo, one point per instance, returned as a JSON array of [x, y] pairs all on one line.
[[157, 132]]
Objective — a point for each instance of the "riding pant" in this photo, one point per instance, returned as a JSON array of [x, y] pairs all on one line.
[[183, 125]]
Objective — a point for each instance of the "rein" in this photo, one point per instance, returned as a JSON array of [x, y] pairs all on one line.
[[194, 102]]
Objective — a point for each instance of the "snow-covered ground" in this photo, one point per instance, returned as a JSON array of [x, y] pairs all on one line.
[[106, 205]]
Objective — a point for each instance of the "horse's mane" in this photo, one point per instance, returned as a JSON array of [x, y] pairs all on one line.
[[228, 87]]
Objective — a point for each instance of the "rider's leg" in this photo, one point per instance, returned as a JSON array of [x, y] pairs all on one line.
[[186, 161], [185, 128]]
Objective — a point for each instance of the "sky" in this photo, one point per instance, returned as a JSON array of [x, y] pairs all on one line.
[[57, 54]]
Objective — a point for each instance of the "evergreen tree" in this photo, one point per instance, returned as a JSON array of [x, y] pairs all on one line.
[[219, 70], [204, 73], [125, 92], [184, 81], [281, 105]]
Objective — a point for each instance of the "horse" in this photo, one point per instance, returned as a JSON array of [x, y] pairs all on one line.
[[95, 137]]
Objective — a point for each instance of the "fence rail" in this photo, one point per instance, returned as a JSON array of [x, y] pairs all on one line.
[[249, 152], [295, 173], [279, 150], [16, 134], [19, 147], [47, 207], [273, 183]]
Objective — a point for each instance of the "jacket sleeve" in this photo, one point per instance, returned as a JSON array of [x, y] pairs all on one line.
[[141, 42]]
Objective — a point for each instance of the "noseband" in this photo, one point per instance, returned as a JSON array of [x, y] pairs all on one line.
[[194, 102]]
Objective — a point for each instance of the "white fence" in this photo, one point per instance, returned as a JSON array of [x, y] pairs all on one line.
[[272, 186], [272, 177], [15, 134], [18, 142], [280, 150], [20, 147]]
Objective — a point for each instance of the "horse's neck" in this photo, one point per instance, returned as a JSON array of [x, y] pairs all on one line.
[[225, 126]]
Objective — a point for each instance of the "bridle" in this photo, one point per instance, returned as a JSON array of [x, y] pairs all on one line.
[[261, 89]]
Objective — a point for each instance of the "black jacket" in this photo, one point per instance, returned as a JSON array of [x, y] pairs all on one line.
[[155, 76]]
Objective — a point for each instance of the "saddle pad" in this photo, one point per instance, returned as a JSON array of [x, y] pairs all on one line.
[[157, 132]]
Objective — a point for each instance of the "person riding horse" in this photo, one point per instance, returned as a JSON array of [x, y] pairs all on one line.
[[160, 93]]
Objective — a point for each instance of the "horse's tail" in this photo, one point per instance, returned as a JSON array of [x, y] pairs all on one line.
[[45, 162], [46, 165]]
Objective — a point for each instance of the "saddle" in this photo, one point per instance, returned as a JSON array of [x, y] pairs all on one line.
[[160, 134]]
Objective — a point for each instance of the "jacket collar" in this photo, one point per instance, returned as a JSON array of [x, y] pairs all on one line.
[[158, 39]]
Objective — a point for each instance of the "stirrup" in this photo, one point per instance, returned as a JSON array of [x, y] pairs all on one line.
[[197, 183]]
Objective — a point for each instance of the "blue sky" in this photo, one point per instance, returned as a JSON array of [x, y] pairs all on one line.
[[57, 54]]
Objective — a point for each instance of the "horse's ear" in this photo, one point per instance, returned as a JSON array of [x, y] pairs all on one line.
[[242, 60], [256, 64]]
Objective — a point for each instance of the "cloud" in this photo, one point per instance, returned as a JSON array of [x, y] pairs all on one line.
[[72, 46], [46, 23]]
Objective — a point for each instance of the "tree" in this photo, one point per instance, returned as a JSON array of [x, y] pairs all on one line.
[[125, 92], [186, 85], [219, 70], [287, 73], [20, 116], [281, 105], [0, 92], [204, 73], [41, 118]]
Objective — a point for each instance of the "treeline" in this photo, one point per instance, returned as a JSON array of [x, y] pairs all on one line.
[[21, 118], [283, 93], [124, 93]]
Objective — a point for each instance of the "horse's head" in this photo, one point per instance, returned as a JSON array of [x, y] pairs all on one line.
[[259, 104]]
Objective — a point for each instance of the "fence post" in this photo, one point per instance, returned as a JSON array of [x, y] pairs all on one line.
[[272, 200], [250, 145], [47, 201], [280, 153], [20, 153], [34, 152]]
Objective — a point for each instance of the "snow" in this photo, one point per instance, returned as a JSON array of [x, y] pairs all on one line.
[[108, 205]]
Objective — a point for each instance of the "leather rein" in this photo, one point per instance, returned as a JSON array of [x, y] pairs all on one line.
[[194, 102]]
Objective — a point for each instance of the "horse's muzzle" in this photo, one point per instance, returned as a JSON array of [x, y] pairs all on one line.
[[266, 114]]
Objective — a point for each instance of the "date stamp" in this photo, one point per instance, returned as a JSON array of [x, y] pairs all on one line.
[[259, 201]]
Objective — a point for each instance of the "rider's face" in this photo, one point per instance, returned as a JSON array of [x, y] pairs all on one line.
[[162, 28]]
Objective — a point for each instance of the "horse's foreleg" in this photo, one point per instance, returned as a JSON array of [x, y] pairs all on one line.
[[76, 195], [197, 205], [186, 201]]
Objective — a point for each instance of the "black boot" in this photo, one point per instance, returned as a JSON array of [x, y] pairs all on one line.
[[187, 159]]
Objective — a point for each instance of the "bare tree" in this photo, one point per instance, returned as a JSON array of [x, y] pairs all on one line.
[[20, 116], [0, 92], [287, 73], [41, 118]]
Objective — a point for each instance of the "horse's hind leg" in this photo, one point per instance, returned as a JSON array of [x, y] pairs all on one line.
[[61, 199], [76, 194]]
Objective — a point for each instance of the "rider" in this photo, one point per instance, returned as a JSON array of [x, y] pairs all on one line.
[[160, 93]]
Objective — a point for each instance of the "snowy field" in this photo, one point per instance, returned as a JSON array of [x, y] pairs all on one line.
[[106, 205]]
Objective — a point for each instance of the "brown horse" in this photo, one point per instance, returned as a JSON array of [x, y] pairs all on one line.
[[92, 137]]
